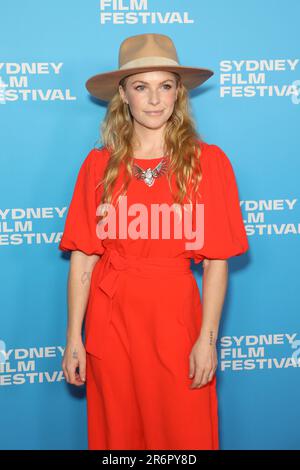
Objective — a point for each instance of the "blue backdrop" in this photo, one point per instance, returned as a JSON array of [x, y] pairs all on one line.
[[49, 123]]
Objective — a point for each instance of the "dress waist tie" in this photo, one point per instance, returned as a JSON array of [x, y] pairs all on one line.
[[104, 284]]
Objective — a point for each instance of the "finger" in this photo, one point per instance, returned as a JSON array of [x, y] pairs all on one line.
[[78, 382], [211, 375], [67, 376], [192, 367], [71, 371], [204, 378], [65, 372], [82, 371], [198, 378], [77, 375]]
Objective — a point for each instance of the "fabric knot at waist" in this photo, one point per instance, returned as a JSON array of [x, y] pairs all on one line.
[[105, 282], [114, 263]]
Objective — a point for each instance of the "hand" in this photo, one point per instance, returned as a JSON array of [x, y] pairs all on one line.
[[203, 362], [74, 357]]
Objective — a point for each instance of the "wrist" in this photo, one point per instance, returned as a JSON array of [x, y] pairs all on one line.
[[74, 337], [209, 336]]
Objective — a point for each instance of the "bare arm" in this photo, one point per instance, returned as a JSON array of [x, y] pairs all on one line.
[[203, 357], [215, 278], [79, 280]]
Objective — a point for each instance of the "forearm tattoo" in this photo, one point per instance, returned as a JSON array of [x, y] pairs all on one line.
[[211, 338], [85, 277]]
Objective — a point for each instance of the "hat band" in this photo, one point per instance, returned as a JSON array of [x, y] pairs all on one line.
[[148, 61]]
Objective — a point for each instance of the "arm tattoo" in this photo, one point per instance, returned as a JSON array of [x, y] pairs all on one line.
[[74, 354], [85, 277]]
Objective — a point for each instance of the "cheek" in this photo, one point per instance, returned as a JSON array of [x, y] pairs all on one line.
[[137, 103], [170, 99]]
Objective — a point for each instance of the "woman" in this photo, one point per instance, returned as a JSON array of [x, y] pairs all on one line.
[[149, 358]]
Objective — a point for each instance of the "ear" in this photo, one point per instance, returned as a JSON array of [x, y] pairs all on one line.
[[121, 91]]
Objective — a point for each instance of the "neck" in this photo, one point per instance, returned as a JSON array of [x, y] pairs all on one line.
[[149, 142]]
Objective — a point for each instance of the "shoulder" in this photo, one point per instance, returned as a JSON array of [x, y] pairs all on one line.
[[216, 166], [97, 156], [96, 160], [213, 157], [213, 152]]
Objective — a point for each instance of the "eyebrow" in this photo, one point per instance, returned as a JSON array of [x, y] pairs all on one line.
[[141, 81]]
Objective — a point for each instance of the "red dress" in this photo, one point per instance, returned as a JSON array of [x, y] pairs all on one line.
[[144, 312]]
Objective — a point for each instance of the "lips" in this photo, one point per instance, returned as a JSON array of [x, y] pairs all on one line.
[[154, 112]]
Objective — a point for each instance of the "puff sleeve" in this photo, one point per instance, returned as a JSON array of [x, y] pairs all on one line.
[[224, 230], [80, 225]]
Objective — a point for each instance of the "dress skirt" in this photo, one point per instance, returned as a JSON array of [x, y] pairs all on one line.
[[148, 316]]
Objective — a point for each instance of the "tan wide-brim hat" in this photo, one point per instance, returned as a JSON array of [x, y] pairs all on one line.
[[144, 53]]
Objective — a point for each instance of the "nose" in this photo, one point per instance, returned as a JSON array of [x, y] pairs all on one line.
[[154, 97]]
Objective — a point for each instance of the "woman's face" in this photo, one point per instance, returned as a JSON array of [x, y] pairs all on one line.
[[151, 97]]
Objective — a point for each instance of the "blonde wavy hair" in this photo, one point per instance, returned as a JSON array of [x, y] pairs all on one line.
[[180, 145]]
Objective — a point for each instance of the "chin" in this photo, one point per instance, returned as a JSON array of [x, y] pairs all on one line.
[[157, 125]]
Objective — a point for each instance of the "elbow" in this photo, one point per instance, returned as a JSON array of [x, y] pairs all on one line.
[[205, 263], [88, 261], [208, 262]]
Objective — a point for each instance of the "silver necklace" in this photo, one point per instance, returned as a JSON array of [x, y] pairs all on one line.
[[149, 175]]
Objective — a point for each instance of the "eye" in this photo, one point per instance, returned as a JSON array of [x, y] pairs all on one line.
[[164, 85]]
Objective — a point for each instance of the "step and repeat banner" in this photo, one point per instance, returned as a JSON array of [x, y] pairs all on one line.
[[49, 123]]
